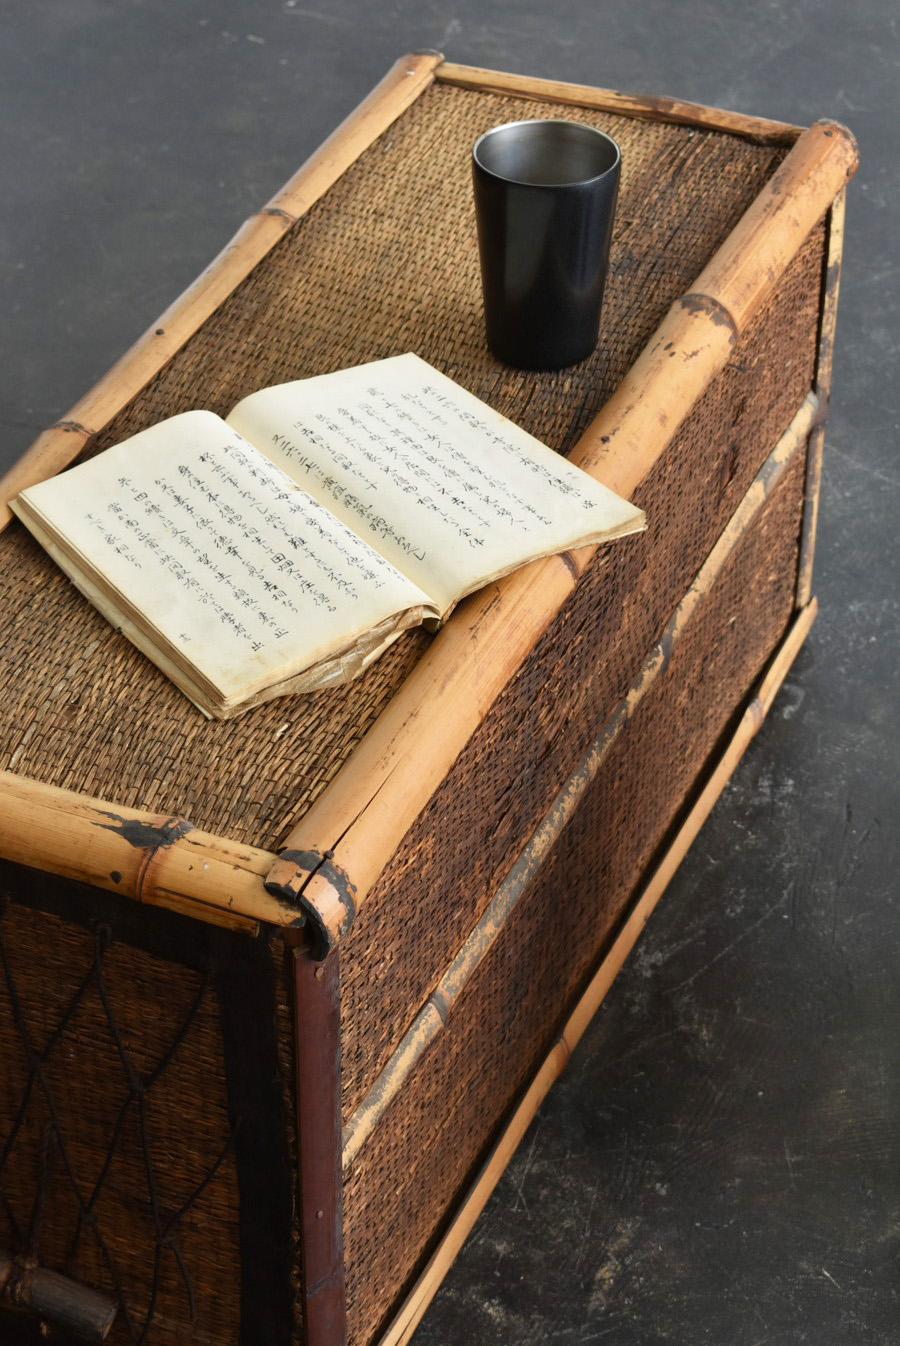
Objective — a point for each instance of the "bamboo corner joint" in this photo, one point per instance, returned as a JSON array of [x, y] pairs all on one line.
[[315, 885]]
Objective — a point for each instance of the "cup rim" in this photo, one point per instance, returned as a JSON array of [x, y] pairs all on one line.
[[545, 121]]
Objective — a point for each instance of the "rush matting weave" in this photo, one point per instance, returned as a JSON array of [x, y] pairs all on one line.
[[431, 1141], [538, 728], [344, 286]]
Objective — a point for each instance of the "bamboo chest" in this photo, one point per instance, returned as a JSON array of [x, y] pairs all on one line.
[[279, 996]]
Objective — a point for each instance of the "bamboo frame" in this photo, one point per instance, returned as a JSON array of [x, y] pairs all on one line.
[[334, 855], [163, 861], [414, 1306], [432, 1018], [57, 447], [337, 852], [383, 787], [824, 364], [642, 106]]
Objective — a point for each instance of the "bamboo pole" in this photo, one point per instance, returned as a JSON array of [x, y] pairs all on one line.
[[762, 130], [426, 1286], [423, 1030], [824, 363], [336, 852], [162, 861], [433, 1016], [57, 447]]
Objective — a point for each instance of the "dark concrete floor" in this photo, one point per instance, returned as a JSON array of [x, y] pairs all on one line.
[[720, 1165]]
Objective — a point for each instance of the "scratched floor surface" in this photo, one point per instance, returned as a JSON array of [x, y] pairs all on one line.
[[720, 1165]]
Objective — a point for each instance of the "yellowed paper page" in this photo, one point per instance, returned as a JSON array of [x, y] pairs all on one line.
[[450, 491], [240, 572], [328, 673]]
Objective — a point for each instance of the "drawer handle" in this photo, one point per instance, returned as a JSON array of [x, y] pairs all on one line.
[[61, 1301]]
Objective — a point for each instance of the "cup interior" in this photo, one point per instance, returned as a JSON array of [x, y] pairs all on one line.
[[547, 153]]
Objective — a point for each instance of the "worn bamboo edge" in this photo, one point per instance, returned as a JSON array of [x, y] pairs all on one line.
[[58, 446], [433, 1016], [824, 362], [646, 107], [160, 860], [426, 1286], [334, 855]]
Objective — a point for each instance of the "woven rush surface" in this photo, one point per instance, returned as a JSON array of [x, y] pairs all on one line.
[[466, 839], [385, 262], [427, 1147], [132, 1076]]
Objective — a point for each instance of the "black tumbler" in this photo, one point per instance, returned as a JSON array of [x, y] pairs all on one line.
[[545, 197]]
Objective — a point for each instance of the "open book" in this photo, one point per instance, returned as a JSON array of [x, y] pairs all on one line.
[[283, 549]]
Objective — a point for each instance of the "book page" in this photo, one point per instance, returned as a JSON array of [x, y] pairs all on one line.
[[450, 491], [239, 573]]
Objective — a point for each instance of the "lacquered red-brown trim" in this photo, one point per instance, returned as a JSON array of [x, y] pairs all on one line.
[[316, 999]]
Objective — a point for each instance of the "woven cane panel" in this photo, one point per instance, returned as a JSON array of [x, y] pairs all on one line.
[[385, 262], [132, 1077], [465, 840], [418, 1161]]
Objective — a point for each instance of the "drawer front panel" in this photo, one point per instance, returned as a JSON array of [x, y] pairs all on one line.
[[144, 1118]]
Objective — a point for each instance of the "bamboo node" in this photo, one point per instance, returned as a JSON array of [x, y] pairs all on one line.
[[279, 214], [146, 836], [568, 561], [712, 308], [73, 428], [756, 714]]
